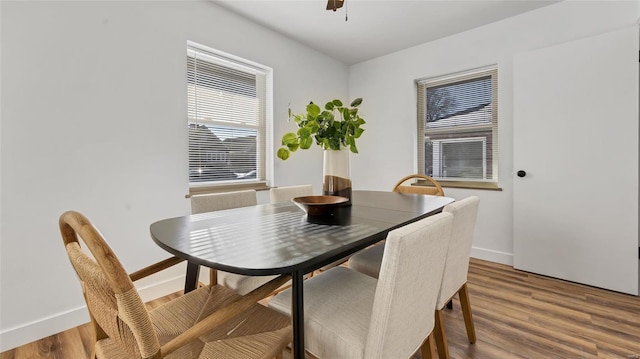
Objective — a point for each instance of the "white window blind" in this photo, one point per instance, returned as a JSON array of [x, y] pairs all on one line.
[[227, 112], [458, 127]]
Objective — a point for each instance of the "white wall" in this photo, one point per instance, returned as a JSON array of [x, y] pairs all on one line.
[[93, 119], [387, 85]]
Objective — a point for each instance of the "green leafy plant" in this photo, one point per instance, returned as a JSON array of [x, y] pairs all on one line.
[[324, 128]]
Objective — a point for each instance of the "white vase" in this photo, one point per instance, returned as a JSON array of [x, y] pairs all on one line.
[[337, 173]]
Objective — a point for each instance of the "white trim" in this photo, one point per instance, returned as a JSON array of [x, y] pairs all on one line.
[[26, 333], [226, 59], [269, 155], [29, 332], [492, 256], [456, 75], [262, 125], [163, 288]]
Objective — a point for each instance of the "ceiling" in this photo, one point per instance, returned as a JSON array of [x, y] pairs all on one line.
[[375, 27]]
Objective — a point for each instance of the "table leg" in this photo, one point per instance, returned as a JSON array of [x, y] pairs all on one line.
[[297, 311], [191, 281]]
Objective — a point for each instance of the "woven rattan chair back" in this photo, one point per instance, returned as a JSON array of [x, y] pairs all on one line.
[[116, 309], [401, 187]]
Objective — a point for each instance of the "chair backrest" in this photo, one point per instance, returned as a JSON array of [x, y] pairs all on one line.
[[201, 203], [457, 265], [408, 287], [436, 190], [282, 194], [115, 307]]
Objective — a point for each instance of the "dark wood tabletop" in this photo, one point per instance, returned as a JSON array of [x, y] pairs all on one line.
[[279, 238]]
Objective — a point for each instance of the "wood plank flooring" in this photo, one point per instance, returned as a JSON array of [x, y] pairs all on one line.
[[517, 315]]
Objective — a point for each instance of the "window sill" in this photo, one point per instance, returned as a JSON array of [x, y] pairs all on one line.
[[489, 186]]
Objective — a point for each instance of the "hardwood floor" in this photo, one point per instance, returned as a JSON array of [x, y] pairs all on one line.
[[517, 315], [523, 315]]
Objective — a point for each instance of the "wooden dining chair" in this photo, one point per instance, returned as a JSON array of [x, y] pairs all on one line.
[[209, 322], [454, 280], [212, 202], [348, 314], [368, 260], [283, 194], [432, 188]]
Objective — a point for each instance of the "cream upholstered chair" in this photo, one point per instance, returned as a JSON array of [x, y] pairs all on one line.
[[454, 280], [209, 322], [216, 202], [348, 314], [368, 261], [282, 194], [201, 203]]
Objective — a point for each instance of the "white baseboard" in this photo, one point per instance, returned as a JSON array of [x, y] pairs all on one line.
[[30, 332], [492, 256]]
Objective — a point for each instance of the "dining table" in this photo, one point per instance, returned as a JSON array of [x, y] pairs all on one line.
[[281, 239]]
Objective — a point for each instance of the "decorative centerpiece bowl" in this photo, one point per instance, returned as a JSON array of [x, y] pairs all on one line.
[[320, 206]]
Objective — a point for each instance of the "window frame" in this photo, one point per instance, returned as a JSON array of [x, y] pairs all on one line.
[[422, 85], [264, 136]]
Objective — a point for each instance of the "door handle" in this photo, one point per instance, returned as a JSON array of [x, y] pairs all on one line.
[[521, 173]]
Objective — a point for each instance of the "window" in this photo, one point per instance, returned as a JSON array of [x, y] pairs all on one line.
[[458, 128], [227, 102]]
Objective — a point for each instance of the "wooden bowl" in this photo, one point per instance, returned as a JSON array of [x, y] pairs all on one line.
[[320, 205]]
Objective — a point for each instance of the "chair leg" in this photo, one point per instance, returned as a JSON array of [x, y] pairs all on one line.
[[281, 289], [94, 336], [466, 313], [93, 348], [213, 277], [427, 348], [441, 336]]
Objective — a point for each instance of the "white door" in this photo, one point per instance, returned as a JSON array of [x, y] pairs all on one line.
[[576, 137]]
